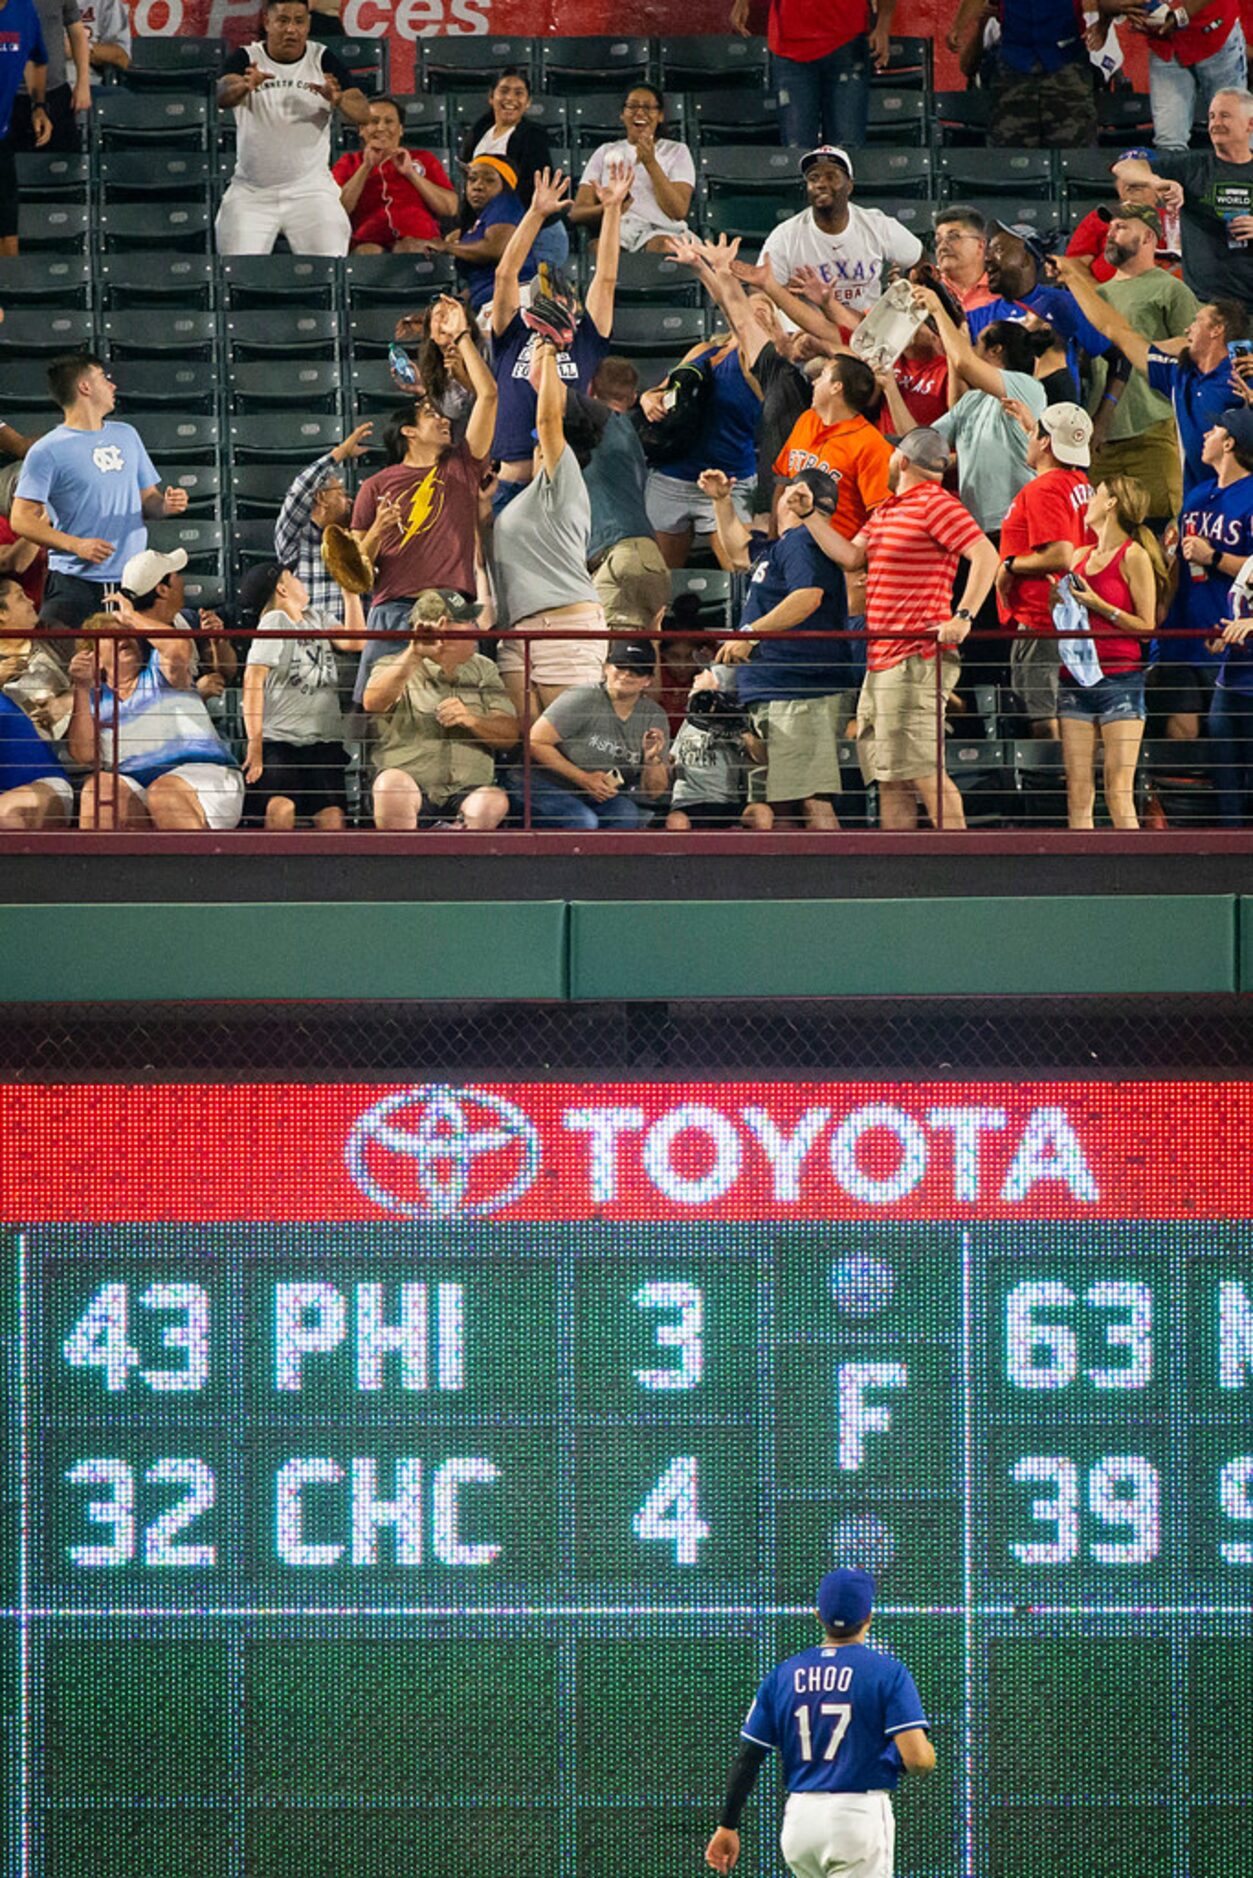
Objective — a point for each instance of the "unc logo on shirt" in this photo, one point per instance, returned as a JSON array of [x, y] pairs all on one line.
[[108, 456], [566, 367]]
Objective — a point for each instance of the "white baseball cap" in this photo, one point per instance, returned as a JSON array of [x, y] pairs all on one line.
[[144, 572], [1069, 432], [827, 153]]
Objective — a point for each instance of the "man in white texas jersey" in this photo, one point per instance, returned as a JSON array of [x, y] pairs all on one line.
[[847, 1722], [285, 92]]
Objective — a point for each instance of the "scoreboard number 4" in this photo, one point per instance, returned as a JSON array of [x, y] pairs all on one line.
[[101, 1337]]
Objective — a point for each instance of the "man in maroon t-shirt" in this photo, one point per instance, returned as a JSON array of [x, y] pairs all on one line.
[[1039, 536], [822, 54]]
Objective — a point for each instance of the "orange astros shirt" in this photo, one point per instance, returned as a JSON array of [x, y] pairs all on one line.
[[852, 451]]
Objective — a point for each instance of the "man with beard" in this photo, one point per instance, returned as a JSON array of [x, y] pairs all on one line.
[[1135, 430], [1016, 259], [1195, 373], [850, 248]]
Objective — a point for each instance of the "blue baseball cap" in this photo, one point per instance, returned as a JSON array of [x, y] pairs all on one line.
[[1238, 424], [1138, 150], [845, 1598]]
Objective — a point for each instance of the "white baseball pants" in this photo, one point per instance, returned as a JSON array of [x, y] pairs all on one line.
[[251, 219], [839, 1835]]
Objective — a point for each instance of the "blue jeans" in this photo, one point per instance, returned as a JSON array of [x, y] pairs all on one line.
[[1175, 90], [385, 616], [553, 806], [1231, 728], [824, 100]]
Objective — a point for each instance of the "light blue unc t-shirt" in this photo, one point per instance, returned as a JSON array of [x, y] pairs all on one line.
[[91, 483]]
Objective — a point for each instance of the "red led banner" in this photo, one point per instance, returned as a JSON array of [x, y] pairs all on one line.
[[629, 1151]]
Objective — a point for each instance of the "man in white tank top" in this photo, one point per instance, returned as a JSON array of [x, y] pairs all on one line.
[[285, 91]]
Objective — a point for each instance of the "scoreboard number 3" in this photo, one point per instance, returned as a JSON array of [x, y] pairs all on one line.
[[101, 1337]]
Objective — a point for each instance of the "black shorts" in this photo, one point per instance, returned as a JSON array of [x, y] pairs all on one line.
[[1177, 690], [8, 191], [445, 814], [711, 814], [309, 774]]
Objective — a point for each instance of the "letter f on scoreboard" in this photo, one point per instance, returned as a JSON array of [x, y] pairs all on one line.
[[856, 1417]]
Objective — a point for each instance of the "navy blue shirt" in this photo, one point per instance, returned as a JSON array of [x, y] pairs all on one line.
[[21, 40], [1055, 305], [1224, 518], [833, 1714], [24, 756], [727, 439], [1199, 400], [480, 276], [1041, 35], [511, 362], [782, 666]]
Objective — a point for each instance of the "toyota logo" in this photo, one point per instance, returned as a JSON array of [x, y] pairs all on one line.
[[437, 1152]]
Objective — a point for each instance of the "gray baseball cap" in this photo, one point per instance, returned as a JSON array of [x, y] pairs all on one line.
[[926, 449]]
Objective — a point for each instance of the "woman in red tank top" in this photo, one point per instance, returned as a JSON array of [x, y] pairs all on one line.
[[1118, 582]]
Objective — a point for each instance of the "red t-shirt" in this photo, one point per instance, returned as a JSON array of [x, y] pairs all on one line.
[[33, 580], [809, 29], [924, 387], [1050, 508], [1205, 34], [385, 193], [913, 543], [435, 547], [1089, 238]]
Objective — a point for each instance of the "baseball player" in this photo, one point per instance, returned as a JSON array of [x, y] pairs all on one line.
[[848, 1722], [285, 90]]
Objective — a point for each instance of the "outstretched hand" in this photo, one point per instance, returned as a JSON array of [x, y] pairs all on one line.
[[615, 185], [551, 192]]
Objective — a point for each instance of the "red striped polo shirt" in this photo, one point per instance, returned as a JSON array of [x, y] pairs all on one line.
[[913, 543]]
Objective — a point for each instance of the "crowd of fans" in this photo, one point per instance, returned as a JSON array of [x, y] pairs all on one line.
[[990, 459]]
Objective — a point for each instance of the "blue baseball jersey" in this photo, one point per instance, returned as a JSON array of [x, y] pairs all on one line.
[[1054, 304], [1199, 400], [1224, 518], [21, 40], [832, 1713], [91, 482]]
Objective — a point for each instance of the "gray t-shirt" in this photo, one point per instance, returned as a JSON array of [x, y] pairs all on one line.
[[710, 764], [301, 689], [54, 17], [540, 545], [592, 734]]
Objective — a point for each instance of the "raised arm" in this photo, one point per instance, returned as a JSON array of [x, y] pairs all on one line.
[[732, 536], [962, 357], [850, 555], [551, 193], [550, 406], [794, 306], [1069, 272], [450, 327], [612, 192]]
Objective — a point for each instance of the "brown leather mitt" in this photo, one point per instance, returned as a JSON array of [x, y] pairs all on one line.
[[345, 561]]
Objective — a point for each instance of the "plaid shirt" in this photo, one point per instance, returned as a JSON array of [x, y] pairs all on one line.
[[298, 541]]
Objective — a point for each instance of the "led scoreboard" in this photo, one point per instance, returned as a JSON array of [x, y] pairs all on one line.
[[418, 1480]]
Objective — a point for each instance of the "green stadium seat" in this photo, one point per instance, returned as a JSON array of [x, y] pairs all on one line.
[[201, 541], [656, 280], [397, 280], [139, 175], [898, 117], [656, 331], [733, 117], [132, 280], [174, 62], [302, 384], [909, 66], [592, 62], [60, 280], [168, 227], [52, 175], [460, 61], [181, 437], [884, 172], [712, 587], [254, 333], [252, 543], [42, 332], [753, 217], [203, 484], [961, 118], [751, 169], [1123, 117], [144, 383], [968, 173], [258, 489], [145, 333], [367, 62], [57, 227], [179, 119], [22, 387], [373, 392], [719, 59], [283, 436], [205, 590], [1041, 213], [425, 120], [259, 279], [916, 213], [1085, 177], [371, 332]]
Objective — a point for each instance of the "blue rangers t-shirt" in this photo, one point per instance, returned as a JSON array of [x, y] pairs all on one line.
[[782, 666], [1224, 518], [1059, 309], [511, 362], [832, 1712], [1199, 400], [91, 482], [21, 40]]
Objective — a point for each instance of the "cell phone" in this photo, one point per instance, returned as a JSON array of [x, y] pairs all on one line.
[[1239, 349]]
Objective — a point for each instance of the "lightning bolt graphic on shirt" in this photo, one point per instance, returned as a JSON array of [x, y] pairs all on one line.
[[420, 505]]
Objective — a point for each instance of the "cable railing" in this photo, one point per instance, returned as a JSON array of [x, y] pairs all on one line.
[[985, 770]]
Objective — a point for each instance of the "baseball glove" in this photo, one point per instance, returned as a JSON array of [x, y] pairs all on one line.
[[345, 560]]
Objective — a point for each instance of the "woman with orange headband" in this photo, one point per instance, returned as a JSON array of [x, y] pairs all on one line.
[[490, 212]]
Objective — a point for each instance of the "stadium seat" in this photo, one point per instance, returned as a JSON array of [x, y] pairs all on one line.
[[397, 280], [259, 279], [144, 383], [592, 63], [909, 65], [753, 217], [1123, 117], [595, 117], [147, 333], [916, 213], [59, 280], [52, 176], [1039, 780], [460, 61], [655, 280], [169, 227], [722, 117], [203, 484], [174, 62], [425, 120], [42, 332], [373, 392], [252, 543], [59, 227], [23, 387], [883, 172], [181, 437], [303, 384], [1085, 177], [178, 119], [132, 280], [258, 489], [969, 173], [205, 590], [371, 332], [253, 333], [961, 118], [283, 436], [367, 62], [712, 588], [979, 768], [201, 541], [1039, 212], [750, 169], [720, 59], [898, 117], [138, 175], [656, 331]]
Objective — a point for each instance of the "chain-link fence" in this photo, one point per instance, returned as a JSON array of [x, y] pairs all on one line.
[[831, 1037]]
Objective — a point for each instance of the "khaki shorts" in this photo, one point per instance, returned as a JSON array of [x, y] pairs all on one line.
[[633, 582], [802, 738], [559, 661], [896, 727]]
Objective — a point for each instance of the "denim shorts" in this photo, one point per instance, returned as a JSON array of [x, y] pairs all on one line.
[[1109, 701]]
